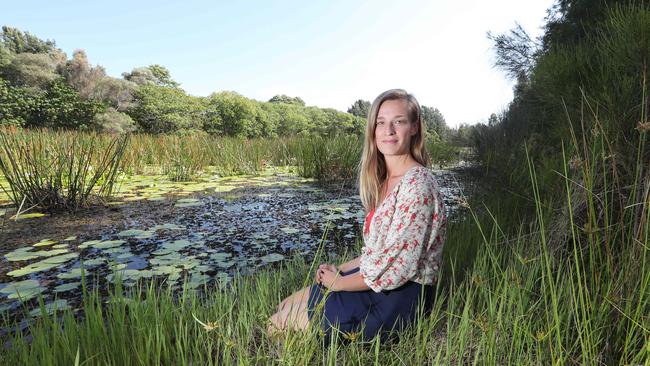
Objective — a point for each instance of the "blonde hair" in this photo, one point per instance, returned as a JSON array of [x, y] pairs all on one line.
[[372, 168]]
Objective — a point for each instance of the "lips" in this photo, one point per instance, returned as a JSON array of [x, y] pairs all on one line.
[[389, 141]]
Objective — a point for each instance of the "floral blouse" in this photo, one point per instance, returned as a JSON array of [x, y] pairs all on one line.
[[403, 237]]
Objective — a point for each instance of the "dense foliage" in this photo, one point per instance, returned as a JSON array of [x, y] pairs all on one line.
[[40, 87]]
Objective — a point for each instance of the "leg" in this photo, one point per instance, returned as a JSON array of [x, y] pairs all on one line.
[[297, 296], [291, 315]]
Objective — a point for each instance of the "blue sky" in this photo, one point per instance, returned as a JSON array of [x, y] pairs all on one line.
[[330, 53]]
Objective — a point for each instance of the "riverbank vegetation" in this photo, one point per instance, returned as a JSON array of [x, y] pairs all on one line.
[[553, 266]]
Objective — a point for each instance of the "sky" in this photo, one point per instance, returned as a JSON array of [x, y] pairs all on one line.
[[329, 53]]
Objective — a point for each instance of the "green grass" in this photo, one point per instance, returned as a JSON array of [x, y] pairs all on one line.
[[61, 170], [561, 279]]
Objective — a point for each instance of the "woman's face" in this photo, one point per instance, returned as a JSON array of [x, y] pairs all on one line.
[[393, 130]]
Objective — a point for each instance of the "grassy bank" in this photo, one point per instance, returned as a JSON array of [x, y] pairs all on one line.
[[506, 296]]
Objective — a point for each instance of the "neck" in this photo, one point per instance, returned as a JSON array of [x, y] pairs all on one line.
[[397, 165]]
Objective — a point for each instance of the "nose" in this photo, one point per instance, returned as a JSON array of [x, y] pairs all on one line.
[[389, 129]]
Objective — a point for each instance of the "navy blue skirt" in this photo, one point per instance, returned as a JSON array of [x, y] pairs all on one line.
[[369, 312]]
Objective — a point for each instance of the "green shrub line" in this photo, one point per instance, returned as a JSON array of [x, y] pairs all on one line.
[[63, 169]]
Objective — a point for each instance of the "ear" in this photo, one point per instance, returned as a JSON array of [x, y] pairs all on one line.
[[414, 129]]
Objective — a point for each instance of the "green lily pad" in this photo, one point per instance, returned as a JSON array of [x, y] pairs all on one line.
[[23, 290], [88, 243], [94, 262], [289, 230], [220, 256], [49, 308], [176, 245], [73, 273], [108, 244], [21, 254], [129, 275], [70, 238], [273, 257], [188, 202], [60, 258], [67, 286], [44, 242], [26, 253], [161, 270], [32, 268], [136, 233], [60, 246]]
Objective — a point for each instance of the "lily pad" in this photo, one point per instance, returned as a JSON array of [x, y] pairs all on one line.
[[188, 202], [70, 238], [67, 286], [49, 308], [24, 290], [44, 242], [273, 257], [73, 273], [26, 253], [136, 233], [94, 262], [60, 258], [88, 243], [289, 230], [108, 244]]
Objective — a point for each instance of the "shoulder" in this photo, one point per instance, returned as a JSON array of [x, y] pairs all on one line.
[[420, 181]]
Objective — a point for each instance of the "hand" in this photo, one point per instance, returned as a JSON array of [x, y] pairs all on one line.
[[327, 277], [323, 267]]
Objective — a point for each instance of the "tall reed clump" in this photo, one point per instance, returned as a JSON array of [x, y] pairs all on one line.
[[326, 159], [61, 170], [183, 157]]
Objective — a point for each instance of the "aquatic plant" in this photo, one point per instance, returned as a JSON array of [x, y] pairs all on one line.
[[61, 170]]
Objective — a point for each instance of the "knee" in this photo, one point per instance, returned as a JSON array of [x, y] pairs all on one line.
[[276, 323]]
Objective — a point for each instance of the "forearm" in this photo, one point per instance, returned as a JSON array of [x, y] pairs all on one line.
[[349, 265], [352, 282]]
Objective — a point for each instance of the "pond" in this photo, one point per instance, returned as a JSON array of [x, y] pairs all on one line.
[[183, 234]]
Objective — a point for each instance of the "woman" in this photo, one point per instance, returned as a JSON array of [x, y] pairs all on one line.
[[380, 290]]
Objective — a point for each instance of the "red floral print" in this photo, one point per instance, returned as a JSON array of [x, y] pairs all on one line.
[[403, 237]]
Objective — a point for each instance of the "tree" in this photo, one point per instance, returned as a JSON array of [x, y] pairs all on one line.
[[293, 119], [112, 121], [231, 114], [18, 42], [158, 109], [81, 75], [36, 70], [493, 120], [118, 93], [433, 120], [61, 107], [516, 52], [16, 104], [152, 74], [360, 108], [281, 98]]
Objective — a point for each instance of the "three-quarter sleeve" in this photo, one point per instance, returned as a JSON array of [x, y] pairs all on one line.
[[407, 236]]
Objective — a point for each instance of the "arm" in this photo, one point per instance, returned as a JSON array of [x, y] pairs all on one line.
[[336, 282], [349, 265]]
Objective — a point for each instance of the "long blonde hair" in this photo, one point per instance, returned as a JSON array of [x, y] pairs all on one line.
[[372, 168]]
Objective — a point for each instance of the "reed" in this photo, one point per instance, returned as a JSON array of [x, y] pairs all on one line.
[[60, 170]]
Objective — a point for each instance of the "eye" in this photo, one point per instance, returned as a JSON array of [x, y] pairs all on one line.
[[380, 122]]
